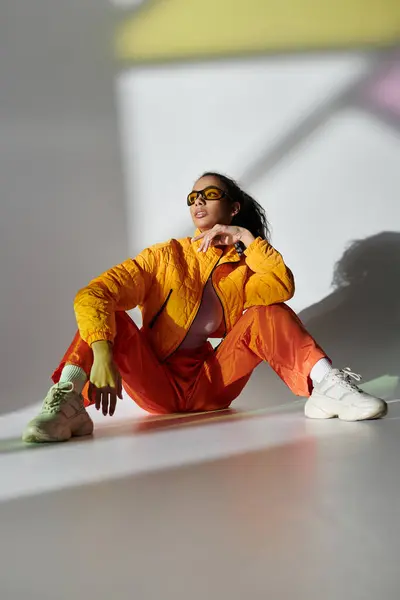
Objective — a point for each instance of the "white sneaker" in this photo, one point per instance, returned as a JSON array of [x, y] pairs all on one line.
[[63, 415], [338, 396]]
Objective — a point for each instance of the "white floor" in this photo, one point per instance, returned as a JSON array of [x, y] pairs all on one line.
[[231, 505]]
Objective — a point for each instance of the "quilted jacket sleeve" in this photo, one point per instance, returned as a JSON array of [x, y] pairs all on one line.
[[121, 288], [271, 280]]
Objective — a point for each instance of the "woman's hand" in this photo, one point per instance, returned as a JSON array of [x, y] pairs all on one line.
[[105, 381], [223, 235]]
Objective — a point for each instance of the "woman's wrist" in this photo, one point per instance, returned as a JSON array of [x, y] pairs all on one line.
[[246, 237], [102, 348]]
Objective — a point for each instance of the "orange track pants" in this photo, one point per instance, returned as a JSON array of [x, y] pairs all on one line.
[[206, 379]]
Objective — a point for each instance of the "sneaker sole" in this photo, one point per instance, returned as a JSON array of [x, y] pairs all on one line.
[[313, 411], [40, 437]]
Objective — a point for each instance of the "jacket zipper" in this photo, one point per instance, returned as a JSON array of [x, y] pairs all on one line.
[[220, 301], [158, 313], [201, 300], [198, 308]]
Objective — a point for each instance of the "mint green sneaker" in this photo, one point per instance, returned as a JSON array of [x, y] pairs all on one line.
[[62, 416]]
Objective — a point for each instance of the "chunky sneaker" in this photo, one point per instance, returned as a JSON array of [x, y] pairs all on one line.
[[63, 415], [337, 395]]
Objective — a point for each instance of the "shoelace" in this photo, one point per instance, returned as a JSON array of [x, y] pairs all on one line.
[[55, 399], [347, 378]]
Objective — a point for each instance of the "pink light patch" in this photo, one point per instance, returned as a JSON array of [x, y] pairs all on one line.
[[385, 90]]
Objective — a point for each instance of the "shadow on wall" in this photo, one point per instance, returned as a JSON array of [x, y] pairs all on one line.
[[358, 324]]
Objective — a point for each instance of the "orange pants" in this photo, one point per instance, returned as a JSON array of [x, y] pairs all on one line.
[[206, 379]]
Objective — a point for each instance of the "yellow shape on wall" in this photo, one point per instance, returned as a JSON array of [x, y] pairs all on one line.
[[163, 30]]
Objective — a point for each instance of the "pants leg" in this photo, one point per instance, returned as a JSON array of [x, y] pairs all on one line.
[[264, 333], [145, 379]]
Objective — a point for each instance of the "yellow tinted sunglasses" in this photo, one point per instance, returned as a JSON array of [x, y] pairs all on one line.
[[209, 193]]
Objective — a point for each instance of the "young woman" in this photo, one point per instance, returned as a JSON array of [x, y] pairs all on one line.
[[226, 282]]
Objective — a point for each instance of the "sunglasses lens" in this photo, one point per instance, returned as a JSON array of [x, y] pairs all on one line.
[[212, 193], [191, 199]]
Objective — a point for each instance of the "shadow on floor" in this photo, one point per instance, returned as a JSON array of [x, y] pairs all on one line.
[[150, 424], [163, 422]]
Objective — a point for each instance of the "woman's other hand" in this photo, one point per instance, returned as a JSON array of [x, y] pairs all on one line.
[[105, 381]]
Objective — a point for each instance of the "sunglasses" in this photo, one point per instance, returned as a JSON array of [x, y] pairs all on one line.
[[209, 193]]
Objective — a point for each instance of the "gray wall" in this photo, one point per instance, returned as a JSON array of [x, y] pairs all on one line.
[[62, 207]]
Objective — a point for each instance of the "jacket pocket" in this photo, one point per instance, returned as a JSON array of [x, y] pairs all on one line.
[[158, 313]]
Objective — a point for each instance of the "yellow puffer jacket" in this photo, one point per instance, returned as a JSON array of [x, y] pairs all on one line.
[[166, 282]]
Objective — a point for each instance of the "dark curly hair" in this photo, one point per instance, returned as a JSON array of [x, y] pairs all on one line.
[[251, 215]]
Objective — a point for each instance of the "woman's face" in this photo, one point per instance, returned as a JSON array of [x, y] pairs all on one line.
[[207, 213]]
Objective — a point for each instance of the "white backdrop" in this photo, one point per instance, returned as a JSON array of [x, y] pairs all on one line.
[[303, 136]]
